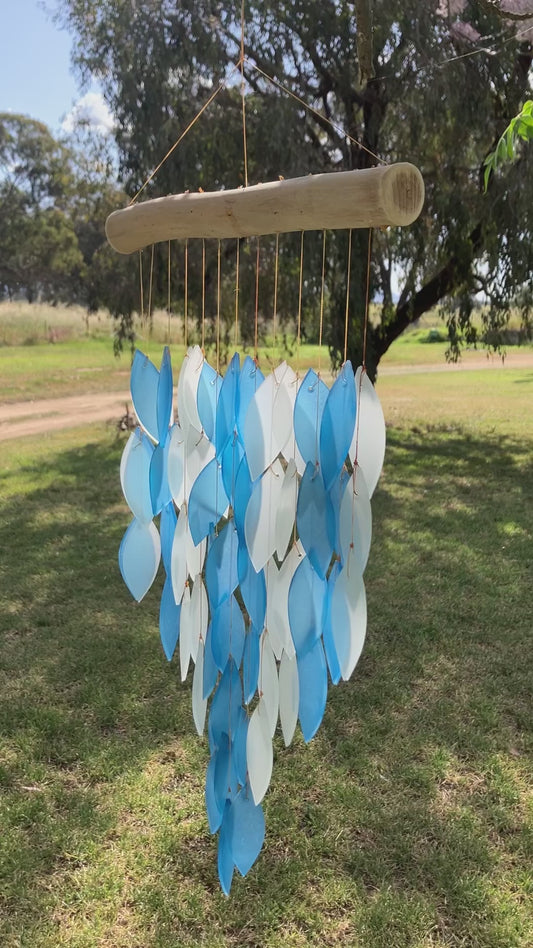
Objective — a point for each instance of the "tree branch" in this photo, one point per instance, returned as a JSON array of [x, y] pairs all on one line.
[[493, 7], [363, 19]]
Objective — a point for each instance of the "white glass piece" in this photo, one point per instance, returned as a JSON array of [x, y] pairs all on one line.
[[198, 453], [268, 423], [268, 681], [259, 754], [291, 382], [271, 585], [370, 434], [178, 561], [195, 555], [199, 703], [287, 508], [199, 615], [356, 521], [348, 617], [185, 633], [277, 620], [289, 696], [260, 519], [135, 475], [138, 556], [176, 465], [188, 389]]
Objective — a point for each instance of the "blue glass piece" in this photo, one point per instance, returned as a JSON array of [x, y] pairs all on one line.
[[243, 492], [253, 588], [308, 408], [249, 381], [212, 805], [335, 495], [221, 574], [226, 707], [227, 633], [307, 594], [231, 459], [159, 487], [207, 501], [313, 687], [164, 396], [210, 666], [250, 664], [136, 476], [207, 398], [225, 777], [167, 527], [239, 747], [225, 857], [248, 830], [144, 381], [327, 634], [312, 520], [169, 619], [138, 557], [227, 404], [338, 423]]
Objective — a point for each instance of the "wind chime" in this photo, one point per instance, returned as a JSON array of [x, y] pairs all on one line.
[[262, 486]]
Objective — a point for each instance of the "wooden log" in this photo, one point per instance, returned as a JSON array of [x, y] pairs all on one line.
[[373, 197]]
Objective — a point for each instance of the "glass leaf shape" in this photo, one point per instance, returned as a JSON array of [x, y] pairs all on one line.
[[289, 696], [159, 488], [213, 806], [176, 465], [248, 830], [259, 752], [225, 709], [210, 666], [227, 633], [290, 451], [355, 531], [348, 616], [250, 664], [207, 398], [307, 593], [207, 501], [250, 379], [144, 380], [313, 689], [135, 475], [138, 557], [260, 519], [327, 634], [268, 682], [243, 491], [277, 619], [338, 425], [199, 703], [225, 863], [164, 396], [198, 453], [267, 426], [188, 381], [185, 633], [167, 529], [199, 615], [230, 460], [226, 415], [286, 512], [271, 574], [221, 573], [313, 520], [195, 555], [238, 743], [308, 410], [252, 587], [169, 620], [335, 495], [368, 441], [178, 560]]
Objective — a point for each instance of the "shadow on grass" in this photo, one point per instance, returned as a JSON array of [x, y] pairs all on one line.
[[391, 824]]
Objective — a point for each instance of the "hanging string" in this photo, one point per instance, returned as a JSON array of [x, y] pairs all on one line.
[[168, 294], [218, 308], [243, 100], [300, 293], [203, 296], [276, 273], [237, 267], [141, 288], [322, 290], [186, 298], [347, 310], [367, 301], [256, 315], [150, 314]]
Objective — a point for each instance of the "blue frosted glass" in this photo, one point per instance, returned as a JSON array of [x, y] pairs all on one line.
[[308, 409], [225, 777], [207, 397], [167, 527], [226, 706], [327, 634], [239, 737], [249, 381], [207, 501], [231, 458], [338, 422], [243, 492], [335, 495], [138, 557], [159, 487], [227, 633], [227, 405], [312, 520], [248, 830], [313, 686], [164, 396], [253, 588], [144, 380], [136, 477], [307, 594], [225, 857], [210, 666], [169, 620], [250, 664], [214, 810], [221, 572]]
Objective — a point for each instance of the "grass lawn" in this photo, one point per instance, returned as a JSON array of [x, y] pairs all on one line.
[[406, 823]]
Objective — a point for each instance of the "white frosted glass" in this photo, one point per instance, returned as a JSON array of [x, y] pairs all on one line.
[[139, 555], [188, 389], [135, 475], [195, 555], [260, 519], [199, 703], [178, 561], [267, 425], [278, 599], [356, 520], [286, 512], [268, 681], [199, 615], [185, 633], [348, 617], [198, 453], [259, 754], [176, 465], [370, 433], [289, 696]]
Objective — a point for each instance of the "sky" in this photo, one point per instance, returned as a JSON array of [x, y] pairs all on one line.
[[36, 78]]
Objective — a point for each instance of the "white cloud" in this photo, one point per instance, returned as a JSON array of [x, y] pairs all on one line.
[[92, 110]]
